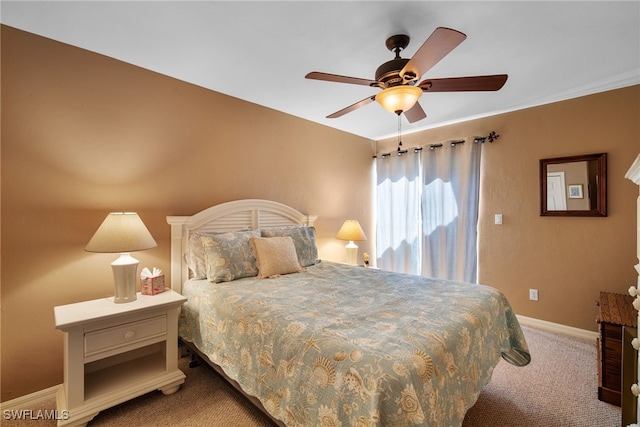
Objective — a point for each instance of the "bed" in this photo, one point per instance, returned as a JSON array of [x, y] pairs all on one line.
[[319, 343]]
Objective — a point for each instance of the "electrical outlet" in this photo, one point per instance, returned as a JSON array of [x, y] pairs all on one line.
[[533, 294]]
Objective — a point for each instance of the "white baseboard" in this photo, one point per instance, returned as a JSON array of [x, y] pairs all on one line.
[[29, 401], [557, 328]]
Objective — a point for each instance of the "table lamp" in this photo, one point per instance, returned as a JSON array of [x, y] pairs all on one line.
[[351, 231], [122, 232]]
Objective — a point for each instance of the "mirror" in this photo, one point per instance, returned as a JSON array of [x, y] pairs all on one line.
[[574, 186]]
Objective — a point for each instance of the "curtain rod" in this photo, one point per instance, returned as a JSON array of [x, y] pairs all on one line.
[[476, 139], [491, 137], [399, 152]]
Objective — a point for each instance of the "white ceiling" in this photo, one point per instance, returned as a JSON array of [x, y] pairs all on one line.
[[261, 51]]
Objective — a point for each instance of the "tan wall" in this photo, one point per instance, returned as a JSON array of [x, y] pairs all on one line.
[[83, 135], [569, 260]]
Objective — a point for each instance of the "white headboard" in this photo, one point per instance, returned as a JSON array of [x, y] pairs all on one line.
[[248, 214]]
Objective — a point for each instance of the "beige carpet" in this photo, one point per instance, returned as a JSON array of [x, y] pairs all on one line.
[[558, 389]]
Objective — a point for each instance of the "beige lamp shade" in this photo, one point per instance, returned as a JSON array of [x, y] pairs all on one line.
[[351, 230], [400, 98], [121, 232]]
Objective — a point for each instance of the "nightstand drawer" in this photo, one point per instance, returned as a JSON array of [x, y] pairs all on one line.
[[104, 342]]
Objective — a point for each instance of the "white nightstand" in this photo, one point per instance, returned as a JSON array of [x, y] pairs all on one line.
[[115, 352]]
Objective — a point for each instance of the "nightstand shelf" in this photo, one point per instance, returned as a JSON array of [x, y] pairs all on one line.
[[127, 374], [115, 352]]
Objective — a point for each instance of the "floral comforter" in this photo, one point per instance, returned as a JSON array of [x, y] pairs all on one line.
[[339, 345]]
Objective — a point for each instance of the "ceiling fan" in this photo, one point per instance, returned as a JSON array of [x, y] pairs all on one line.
[[397, 78]]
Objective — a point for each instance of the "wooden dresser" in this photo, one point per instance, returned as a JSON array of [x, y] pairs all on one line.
[[616, 312]]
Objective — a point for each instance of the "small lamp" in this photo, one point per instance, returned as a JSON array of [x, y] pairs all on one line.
[[351, 231], [122, 232], [396, 99]]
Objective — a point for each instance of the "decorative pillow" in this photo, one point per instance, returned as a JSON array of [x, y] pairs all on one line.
[[304, 240], [194, 256], [229, 255], [275, 256]]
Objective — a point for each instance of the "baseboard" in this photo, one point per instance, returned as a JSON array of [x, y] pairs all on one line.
[[29, 401], [558, 328]]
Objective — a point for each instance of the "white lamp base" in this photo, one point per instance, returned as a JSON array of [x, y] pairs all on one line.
[[352, 253], [125, 276]]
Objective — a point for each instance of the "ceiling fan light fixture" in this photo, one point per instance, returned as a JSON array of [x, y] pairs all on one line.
[[399, 98]]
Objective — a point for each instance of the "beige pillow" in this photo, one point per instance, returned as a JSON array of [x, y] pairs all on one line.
[[275, 256]]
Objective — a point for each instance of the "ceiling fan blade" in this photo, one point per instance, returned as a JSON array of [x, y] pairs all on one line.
[[352, 107], [438, 45], [315, 75], [415, 113], [464, 84]]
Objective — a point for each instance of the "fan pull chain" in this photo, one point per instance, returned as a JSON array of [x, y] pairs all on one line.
[[399, 133]]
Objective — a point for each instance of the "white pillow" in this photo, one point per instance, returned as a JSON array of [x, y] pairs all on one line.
[[275, 256]]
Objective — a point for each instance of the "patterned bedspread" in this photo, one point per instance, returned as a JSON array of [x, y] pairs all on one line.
[[339, 345]]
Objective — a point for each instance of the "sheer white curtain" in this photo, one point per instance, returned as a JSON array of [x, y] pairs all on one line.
[[427, 212], [398, 236], [450, 200]]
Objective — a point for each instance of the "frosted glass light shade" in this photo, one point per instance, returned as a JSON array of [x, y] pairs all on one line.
[[399, 98]]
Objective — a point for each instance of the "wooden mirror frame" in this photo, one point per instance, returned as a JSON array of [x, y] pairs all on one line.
[[600, 192]]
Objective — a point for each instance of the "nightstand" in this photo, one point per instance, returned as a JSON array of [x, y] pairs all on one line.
[[115, 352], [615, 313]]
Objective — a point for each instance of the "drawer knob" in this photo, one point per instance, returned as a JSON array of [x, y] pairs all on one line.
[[129, 335], [635, 389]]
